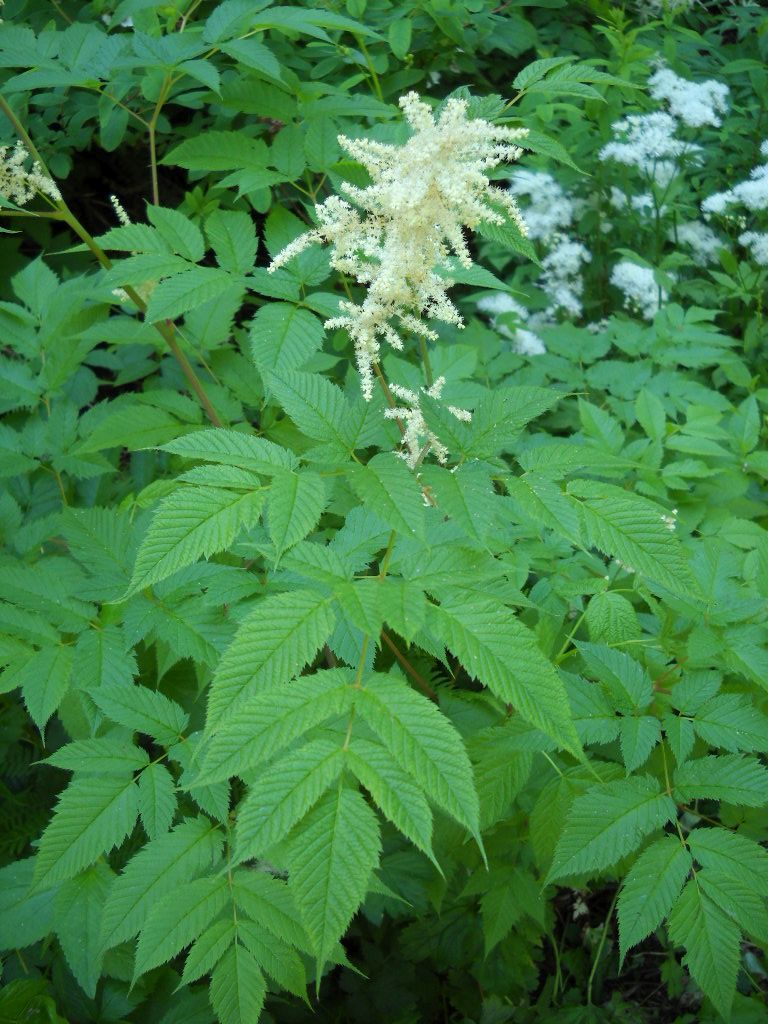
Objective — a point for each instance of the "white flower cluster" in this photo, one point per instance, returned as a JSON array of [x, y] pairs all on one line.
[[653, 8], [422, 195], [561, 277], [648, 142], [641, 293], [757, 243], [525, 342], [17, 183], [549, 210], [642, 203], [752, 193], [700, 239], [694, 103], [418, 439]]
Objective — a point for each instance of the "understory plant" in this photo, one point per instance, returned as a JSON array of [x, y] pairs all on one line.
[[383, 608]]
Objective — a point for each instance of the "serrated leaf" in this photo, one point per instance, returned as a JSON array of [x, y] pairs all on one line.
[[143, 710], [739, 901], [496, 648], [237, 987], [273, 643], [502, 414], [232, 448], [731, 854], [44, 680], [159, 867], [651, 889], [232, 234], [390, 489], [208, 950], [191, 523], [92, 816], [736, 779], [330, 866], [424, 744], [157, 800], [316, 406], [268, 900], [183, 292], [296, 502], [638, 735], [276, 959], [608, 822], [283, 794], [284, 336], [730, 720], [629, 684], [177, 919], [133, 426], [178, 231], [711, 941], [103, 756], [79, 905]]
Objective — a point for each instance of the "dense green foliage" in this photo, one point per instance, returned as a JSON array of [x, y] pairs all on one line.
[[293, 730]]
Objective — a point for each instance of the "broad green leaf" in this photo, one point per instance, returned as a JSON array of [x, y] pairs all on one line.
[[157, 868], [502, 414], [738, 899], [295, 504], [232, 234], [629, 684], [208, 949], [268, 900], [736, 779], [391, 490], [283, 794], [237, 987], [44, 680], [611, 619], [731, 720], [183, 292], [731, 854], [99, 757], [25, 917], [92, 816], [79, 905], [177, 919], [272, 645], [638, 735], [219, 151], [232, 448], [157, 800], [711, 941], [315, 405], [178, 231], [132, 426], [424, 744], [283, 336], [192, 523], [330, 863], [395, 792], [651, 889], [276, 959], [608, 822], [143, 710], [496, 648]]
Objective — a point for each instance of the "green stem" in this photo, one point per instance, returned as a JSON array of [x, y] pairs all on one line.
[[425, 360], [600, 946]]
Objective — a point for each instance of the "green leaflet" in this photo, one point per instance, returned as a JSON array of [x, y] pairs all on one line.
[[233, 448], [315, 405], [424, 744], [651, 889], [276, 959], [177, 919], [296, 502], [99, 757], [142, 709], [273, 643], [331, 864], [269, 901], [283, 337], [237, 987], [158, 867], [390, 488], [233, 237], [732, 855], [282, 795], [501, 652], [79, 905], [608, 822], [711, 941], [157, 800], [730, 777], [192, 523], [93, 815]]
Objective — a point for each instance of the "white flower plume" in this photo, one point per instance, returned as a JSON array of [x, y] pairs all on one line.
[[417, 438], [393, 235], [19, 184]]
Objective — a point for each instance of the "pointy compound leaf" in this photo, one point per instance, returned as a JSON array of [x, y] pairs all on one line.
[[496, 648], [269, 722], [232, 448], [424, 744], [316, 406], [632, 530], [711, 942], [104, 756], [283, 794], [732, 855], [274, 642], [731, 721], [276, 959], [284, 336], [177, 919], [296, 502], [232, 234], [650, 889], [157, 800], [93, 815], [237, 987], [142, 709], [186, 291], [608, 822], [537, 70], [206, 951], [44, 681], [730, 777], [131, 426], [502, 414], [395, 792], [157, 868], [79, 904], [192, 523], [629, 684], [391, 490], [178, 231], [738, 899], [330, 865], [268, 900], [638, 735]]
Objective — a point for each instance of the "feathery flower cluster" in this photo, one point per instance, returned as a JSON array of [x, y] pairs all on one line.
[[641, 293], [647, 141], [525, 342], [752, 193], [653, 8], [550, 208], [700, 239], [561, 277], [422, 196], [17, 183], [694, 103], [418, 439], [757, 243]]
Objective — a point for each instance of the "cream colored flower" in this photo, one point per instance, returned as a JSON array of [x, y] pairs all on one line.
[[394, 234], [17, 183]]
